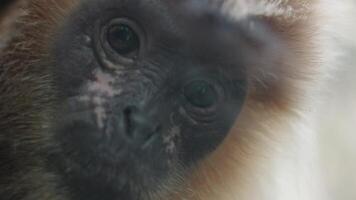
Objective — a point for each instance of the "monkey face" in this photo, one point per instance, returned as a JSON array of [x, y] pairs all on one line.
[[145, 92]]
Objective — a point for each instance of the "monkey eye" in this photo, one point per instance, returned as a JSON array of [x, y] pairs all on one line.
[[123, 39], [201, 94]]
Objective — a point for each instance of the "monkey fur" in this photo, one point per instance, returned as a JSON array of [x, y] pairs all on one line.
[[272, 48]]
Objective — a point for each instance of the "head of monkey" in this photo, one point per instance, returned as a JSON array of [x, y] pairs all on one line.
[[140, 92], [146, 91]]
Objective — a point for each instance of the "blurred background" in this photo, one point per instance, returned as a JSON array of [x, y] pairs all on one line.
[[338, 131], [337, 120]]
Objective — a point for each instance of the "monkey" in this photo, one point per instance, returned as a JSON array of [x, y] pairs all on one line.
[[152, 99]]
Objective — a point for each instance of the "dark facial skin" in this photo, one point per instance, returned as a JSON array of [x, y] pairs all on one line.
[[4, 5], [146, 89]]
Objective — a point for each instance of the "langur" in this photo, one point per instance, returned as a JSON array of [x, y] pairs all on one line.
[[154, 99]]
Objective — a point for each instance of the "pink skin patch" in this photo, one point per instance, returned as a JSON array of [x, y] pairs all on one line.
[[99, 93], [103, 84]]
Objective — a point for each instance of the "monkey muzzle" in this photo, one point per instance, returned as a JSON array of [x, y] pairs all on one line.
[[125, 115]]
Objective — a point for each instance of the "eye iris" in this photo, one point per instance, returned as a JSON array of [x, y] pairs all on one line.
[[123, 39], [200, 94]]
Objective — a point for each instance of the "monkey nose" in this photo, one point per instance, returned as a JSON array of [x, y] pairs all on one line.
[[138, 128]]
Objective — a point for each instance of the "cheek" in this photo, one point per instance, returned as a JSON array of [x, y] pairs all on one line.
[[171, 139], [200, 138], [171, 142]]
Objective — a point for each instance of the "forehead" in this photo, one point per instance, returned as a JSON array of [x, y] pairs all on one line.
[[174, 16], [193, 28]]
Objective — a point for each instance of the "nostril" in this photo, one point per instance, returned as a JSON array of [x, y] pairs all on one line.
[[138, 127], [150, 133], [129, 123], [150, 137], [158, 128]]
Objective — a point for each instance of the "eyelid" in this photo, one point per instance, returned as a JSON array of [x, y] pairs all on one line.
[[108, 57], [204, 115]]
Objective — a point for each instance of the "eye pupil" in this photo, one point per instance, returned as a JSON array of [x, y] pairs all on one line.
[[123, 39], [200, 94]]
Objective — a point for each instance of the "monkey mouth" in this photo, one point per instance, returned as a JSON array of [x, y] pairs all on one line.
[[89, 155], [99, 167]]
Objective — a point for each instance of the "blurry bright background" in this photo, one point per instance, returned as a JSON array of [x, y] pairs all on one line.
[[338, 125], [338, 135]]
